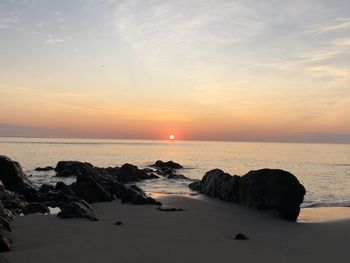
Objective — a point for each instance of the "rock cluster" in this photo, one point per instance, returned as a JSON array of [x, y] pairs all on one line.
[[93, 184], [168, 169], [266, 189]]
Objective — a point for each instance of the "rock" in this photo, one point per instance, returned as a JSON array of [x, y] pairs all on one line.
[[13, 177], [45, 188], [169, 209], [2, 186], [272, 189], [94, 187], [131, 173], [164, 165], [118, 223], [241, 236], [12, 201], [44, 169], [266, 189], [4, 260], [136, 196], [221, 185], [5, 241], [195, 186], [177, 176], [36, 207], [71, 168], [77, 210]]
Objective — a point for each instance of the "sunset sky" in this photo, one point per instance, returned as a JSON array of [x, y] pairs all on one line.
[[200, 69]]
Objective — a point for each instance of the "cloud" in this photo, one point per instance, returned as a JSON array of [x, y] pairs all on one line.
[[338, 24], [8, 22], [53, 40]]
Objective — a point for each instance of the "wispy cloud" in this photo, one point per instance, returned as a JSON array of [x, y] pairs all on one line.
[[9, 22], [53, 40], [338, 24]]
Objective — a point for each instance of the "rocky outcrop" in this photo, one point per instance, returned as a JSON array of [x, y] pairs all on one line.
[[168, 169], [221, 185], [13, 177], [130, 173], [137, 196], [77, 210], [71, 168], [272, 189], [93, 187], [167, 165], [5, 228], [266, 189], [35, 207]]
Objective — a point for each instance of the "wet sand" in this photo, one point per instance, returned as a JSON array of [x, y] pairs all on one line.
[[201, 233]]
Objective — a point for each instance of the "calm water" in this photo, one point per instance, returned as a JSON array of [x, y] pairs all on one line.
[[324, 169]]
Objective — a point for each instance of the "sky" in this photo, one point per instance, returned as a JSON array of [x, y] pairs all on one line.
[[200, 69]]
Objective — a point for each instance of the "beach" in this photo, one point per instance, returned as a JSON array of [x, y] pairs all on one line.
[[202, 232]]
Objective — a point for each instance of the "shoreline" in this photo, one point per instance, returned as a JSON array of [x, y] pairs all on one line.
[[201, 233]]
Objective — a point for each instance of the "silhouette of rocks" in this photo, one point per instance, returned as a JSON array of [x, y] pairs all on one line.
[[71, 168], [137, 196], [77, 210], [266, 189], [35, 207], [13, 177]]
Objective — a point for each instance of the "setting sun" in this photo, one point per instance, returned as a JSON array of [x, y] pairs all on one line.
[[171, 137]]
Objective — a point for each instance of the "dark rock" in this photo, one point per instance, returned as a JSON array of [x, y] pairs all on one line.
[[169, 164], [272, 189], [169, 209], [5, 241], [44, 169], [71, 168], [12, 201], [177, 176], [118, 223], [45, 188], [2, 186], [35, 208], [13, 177], [131, 173], [195, 186], [94, 187], [4, 260], [77, 210], [221, 185], [136, 196], [265, 189], [241, 236]]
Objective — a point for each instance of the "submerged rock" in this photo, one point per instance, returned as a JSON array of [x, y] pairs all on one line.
[[167, 165], [44, 169]]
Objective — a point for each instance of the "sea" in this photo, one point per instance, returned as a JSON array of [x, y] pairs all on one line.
[[324, 169]]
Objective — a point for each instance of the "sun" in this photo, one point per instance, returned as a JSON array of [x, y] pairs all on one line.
[[171, 137]]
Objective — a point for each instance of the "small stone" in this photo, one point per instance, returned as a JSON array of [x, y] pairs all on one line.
[[169, 209], [118, 223], [241, 236]]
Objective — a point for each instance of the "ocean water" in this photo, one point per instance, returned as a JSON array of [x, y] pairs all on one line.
[[324, 169]]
